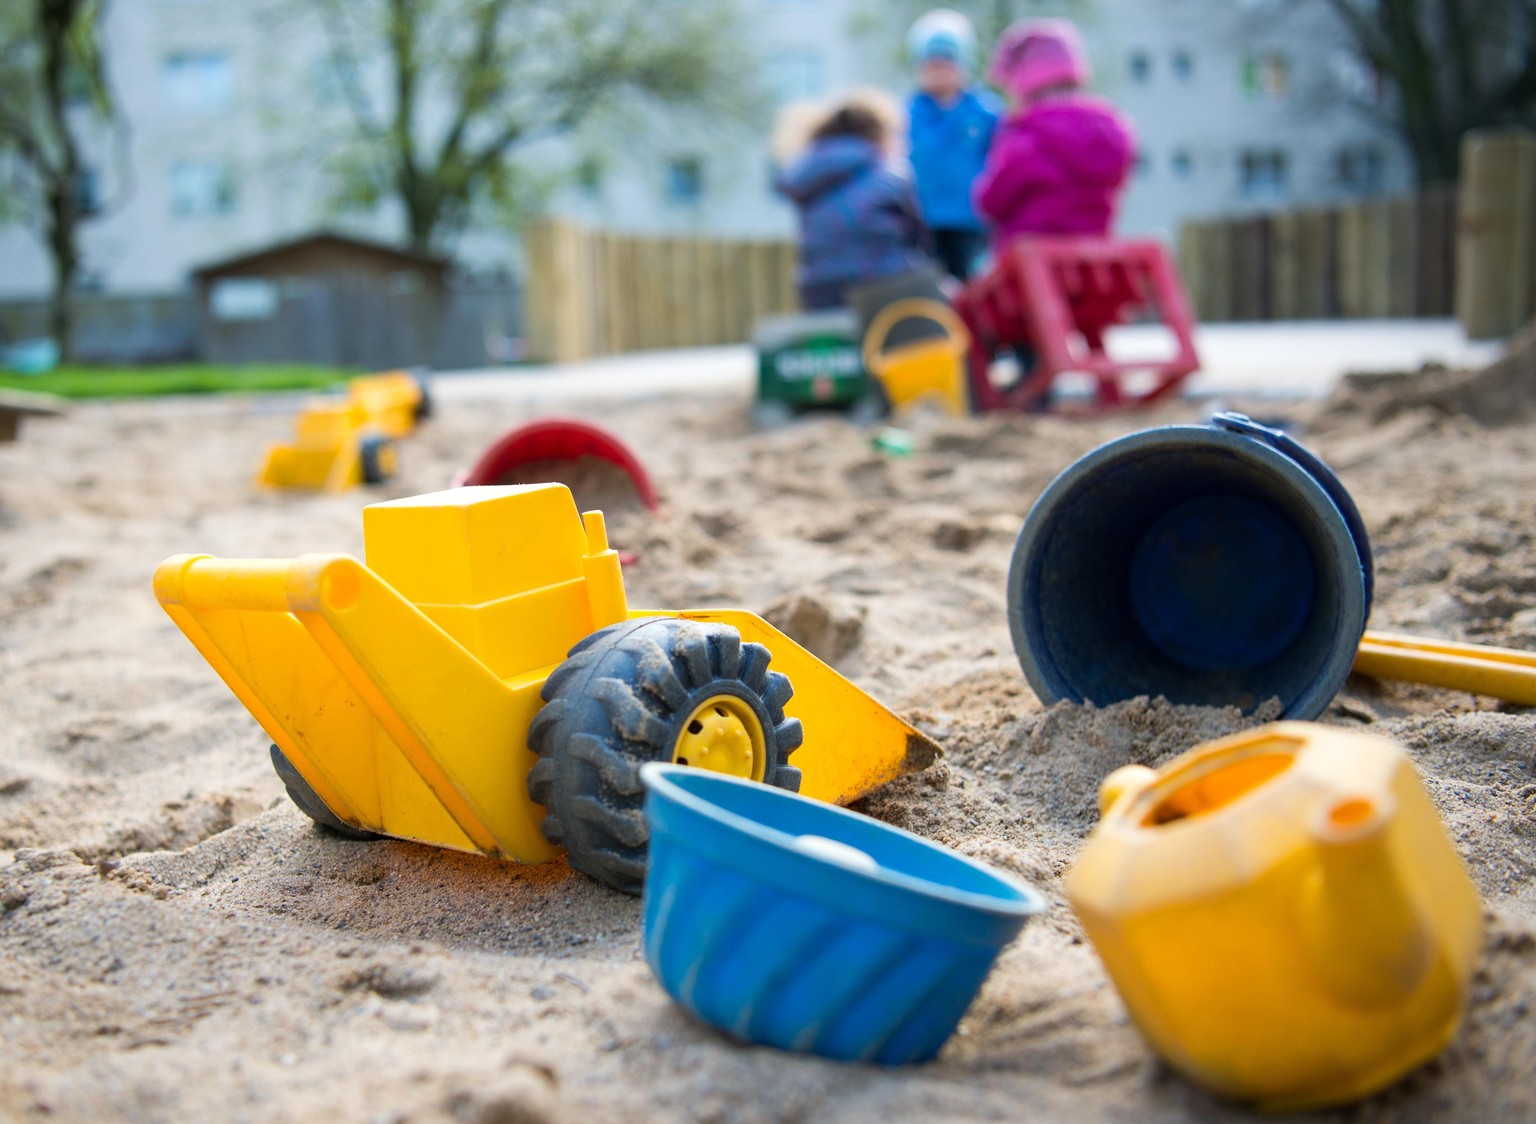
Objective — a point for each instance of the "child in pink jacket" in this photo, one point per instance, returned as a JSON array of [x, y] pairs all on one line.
[[1060, 159]]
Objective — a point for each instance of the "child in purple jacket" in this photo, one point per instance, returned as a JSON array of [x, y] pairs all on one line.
[[1060, 160], [859, 220]]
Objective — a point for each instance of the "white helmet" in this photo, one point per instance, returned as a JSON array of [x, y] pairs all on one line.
[[943, 33]]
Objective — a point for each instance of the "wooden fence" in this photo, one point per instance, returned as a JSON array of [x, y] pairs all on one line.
[[1467, 251], [592, 293], [357, 322], [144, 328], [1496, 232], [1383, 258]]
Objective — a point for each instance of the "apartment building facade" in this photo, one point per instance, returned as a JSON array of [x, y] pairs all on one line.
[[231, 109]]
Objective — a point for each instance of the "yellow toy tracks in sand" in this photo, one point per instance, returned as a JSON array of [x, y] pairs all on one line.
[[407, 697], [341, 442], [1282, 912]]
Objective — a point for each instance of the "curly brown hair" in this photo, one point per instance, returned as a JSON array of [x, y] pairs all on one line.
[[852, 120]]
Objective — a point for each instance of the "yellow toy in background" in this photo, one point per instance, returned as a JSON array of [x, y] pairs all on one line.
[[482, 684], [1282, 913], [332, 450], [393, 402], [341, 442], [922, 368]]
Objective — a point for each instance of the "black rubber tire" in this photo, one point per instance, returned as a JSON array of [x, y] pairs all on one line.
[[424, 404], [620, 700], [309, 802], [370, 451]]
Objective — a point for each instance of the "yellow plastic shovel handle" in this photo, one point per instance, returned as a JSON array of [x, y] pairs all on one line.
[[1502, 673]]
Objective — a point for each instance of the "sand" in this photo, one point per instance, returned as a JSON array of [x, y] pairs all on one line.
[[178, 943]]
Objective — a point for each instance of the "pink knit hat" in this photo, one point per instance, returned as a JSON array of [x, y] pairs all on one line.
[[1033, 55]]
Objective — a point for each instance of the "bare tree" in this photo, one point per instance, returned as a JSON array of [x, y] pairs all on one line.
[[51, 78], [465, 84], [1444, 66]]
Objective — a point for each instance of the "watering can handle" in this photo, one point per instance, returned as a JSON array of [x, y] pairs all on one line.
[[912, 308]]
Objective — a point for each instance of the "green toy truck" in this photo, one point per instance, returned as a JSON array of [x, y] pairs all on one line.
[[812, 361]]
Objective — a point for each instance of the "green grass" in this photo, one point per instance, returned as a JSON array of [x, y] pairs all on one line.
[[70, 381]]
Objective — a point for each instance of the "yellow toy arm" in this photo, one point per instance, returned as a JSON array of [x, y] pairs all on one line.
[[853, 744]]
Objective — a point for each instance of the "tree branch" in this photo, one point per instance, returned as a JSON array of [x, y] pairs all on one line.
[[341, 46], [478, 78]]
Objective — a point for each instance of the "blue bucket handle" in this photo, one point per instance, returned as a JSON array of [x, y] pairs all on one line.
[[1315, 467]]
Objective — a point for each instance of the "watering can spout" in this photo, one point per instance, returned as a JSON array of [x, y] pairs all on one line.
[[1368, 942]]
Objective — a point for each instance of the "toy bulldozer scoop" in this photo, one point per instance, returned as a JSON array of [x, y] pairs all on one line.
[[482, 684]]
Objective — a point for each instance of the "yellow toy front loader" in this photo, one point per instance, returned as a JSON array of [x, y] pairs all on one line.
[[481, 683], [341, 441]]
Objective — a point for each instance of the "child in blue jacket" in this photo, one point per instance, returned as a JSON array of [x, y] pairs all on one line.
[[951, 129]]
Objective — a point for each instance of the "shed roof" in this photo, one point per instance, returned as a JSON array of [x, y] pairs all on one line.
[[275, 253]]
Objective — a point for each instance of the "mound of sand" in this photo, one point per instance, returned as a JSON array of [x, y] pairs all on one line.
[[177, 942], [1502, 393]]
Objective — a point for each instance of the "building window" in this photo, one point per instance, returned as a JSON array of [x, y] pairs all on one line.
[[794, 75], [685, 181], [1361, 168], [1182, 163], [200, 82], [1357, 79], [87, 192], [244, 298], [200, 188], [1266, 77], [1263, 174], [1183, 66], [1139, 65]]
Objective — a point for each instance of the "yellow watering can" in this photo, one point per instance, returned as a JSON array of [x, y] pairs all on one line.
[[910, 371], [1282, 913]]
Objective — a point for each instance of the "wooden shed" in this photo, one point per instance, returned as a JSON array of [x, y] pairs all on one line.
[[324, 298]]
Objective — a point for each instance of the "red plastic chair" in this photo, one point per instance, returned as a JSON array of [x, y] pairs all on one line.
[[1058, 297]]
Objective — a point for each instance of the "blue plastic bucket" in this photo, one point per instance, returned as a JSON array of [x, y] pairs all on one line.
[[792, 923], [1220, 565]]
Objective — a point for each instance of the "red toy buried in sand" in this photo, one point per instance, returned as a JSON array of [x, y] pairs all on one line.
[[558, 439]]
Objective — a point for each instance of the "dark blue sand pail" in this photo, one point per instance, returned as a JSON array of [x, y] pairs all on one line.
[[1219, 565]]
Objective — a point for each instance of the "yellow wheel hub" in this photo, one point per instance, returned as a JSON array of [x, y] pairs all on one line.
[[723, 735]]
